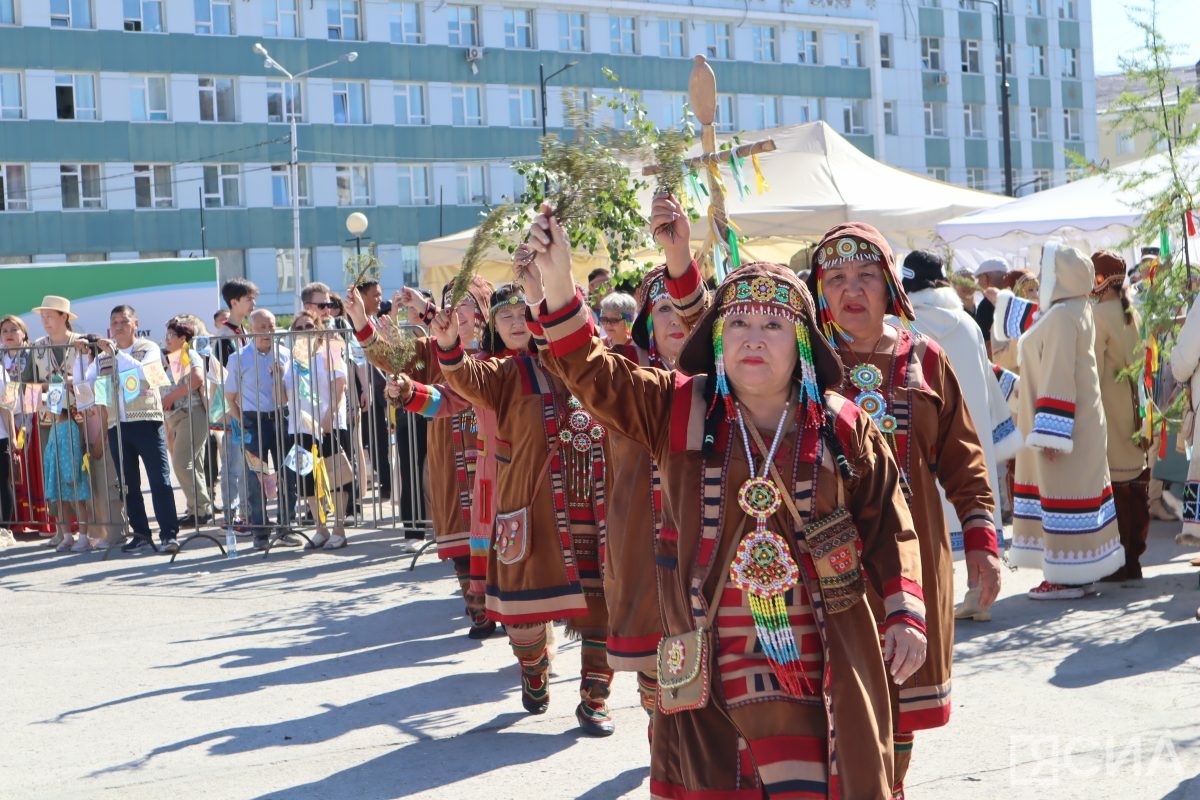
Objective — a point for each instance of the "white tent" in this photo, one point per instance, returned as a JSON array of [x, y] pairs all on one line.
[[816, 179], [1091, 214]]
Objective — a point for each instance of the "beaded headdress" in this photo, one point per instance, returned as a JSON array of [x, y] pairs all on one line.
[[648, 296], [762, 294], [848, 243]]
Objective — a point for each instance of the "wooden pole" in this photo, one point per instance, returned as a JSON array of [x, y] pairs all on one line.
[[703, 160]]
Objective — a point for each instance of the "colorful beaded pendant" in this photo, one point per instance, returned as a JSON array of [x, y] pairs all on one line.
[[868, 379], [580, 431]]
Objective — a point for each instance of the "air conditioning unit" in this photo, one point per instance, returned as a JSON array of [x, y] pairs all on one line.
[[474, 54], [941, 79]]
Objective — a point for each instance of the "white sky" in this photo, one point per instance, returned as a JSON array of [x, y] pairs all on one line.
[[1115, 35]]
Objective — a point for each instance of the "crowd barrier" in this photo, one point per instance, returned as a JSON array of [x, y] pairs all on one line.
[[293, 442]]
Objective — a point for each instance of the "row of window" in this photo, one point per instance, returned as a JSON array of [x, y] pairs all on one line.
[[1035, 58], [974, 125], [986, 180], [1064, 9]]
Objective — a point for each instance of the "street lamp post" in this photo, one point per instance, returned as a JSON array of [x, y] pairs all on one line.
[[998, 5], [356, 224], [543, 79], [294, 163]]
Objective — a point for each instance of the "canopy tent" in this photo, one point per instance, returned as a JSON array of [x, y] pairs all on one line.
[[1091, 214], [816, 179], [441, 258]]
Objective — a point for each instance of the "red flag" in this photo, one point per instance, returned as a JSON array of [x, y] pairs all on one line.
[[1191, 223]]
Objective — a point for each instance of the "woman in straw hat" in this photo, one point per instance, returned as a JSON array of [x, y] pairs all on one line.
[[780, 503]]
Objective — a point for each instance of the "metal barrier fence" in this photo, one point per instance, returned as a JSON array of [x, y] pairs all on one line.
[[294, 423]]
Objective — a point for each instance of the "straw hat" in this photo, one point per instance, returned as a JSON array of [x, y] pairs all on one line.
[[53, 302]]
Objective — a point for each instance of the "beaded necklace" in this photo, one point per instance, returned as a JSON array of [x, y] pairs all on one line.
[[869, 381]]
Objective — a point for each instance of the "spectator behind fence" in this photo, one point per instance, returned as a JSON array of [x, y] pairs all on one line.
[[616, 317], [187, 420], [131, 368], [374, 408], [25, 450], [252, 392], [239, 295]]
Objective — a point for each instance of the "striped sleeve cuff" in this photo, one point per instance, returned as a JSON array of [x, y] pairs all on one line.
[[688, 289], [1053, 424], [903, 603], [979, 533], [425, 400], [569, 328], [366, 334], [452, 358], [536, 331]]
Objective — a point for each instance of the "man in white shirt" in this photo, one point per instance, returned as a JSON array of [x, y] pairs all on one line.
[[253, 391]]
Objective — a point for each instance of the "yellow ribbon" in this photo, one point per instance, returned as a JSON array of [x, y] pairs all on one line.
[[759, 179], [714, 172], [322, 481]]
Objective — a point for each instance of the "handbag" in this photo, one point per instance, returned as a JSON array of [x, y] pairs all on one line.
[[684, 659]]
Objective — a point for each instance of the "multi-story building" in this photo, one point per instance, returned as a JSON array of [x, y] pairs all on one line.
[[1118, 142], [152, 127]]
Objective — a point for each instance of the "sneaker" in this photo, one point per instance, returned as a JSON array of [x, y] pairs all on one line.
[[101, 545], [1055, 591], [64, 545], [82, 544], [138, 544], [55, 540], [262, 542], [288, 540], [170, 547], [319, 539], [336, 542]]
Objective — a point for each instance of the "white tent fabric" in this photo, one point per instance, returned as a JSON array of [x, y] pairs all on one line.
[[1091, 214], [816, 179], [441, 258]]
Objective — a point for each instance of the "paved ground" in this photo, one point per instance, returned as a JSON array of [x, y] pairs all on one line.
[[343, 675]]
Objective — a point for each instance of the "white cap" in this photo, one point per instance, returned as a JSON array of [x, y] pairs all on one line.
[[991, 265]]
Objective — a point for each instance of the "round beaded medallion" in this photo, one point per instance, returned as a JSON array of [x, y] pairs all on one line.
[[582, 430], [759, 498]]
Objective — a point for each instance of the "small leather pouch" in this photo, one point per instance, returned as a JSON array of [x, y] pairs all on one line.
[[684, 677], [512, 536], [834, 544]]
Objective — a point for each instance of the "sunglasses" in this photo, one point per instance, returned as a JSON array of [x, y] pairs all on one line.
[[306, 328], [611, 320], [328, 305]]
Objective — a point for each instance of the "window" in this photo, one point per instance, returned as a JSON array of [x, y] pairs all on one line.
[[281, 19], [353, 184], [667, 113], [152, 186], [14, 191], [81, 186], [522, 107], [763, 37], [809, 45], [410, 103], [217, 100], [670, 38], [977, 178], [889, 118], [12, 104], [718, 40], [404, 22], [285, 268], [281, 195], [470, 185], [1072, 125], [1035, 8], [854, 116], [1008, 59], [1042, 180], [414, 185], [222, 186], [1070, 62], [140, 15], [850, 52], [931, 53], [973, 121], [70, 13], [1037, 59], [350, 102], [465, 106], [462, 25], [284, 102], [932, 3], [724, 119], [935, 119], [623, 34], [764, 111], [1126, 144], [572, 32], [518, 28], [970, 56], [577, 108], [8, 12], [885, 50], [1066, 9], [1039, 122], [810, 108], [148, 98], [937, 173], [75, 96], [343, 19], [214, 17]]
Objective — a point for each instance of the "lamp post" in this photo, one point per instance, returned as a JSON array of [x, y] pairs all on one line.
[[356, 223], [998, 5], [294, 163], [543, 79]]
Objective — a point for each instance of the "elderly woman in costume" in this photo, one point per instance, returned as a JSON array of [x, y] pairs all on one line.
[[1065, 520], [451, 439], [904, 382], [940, 316], [1119, 347], [780, 501], [550, 498]]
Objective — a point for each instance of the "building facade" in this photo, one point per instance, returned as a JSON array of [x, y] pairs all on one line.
[[152, 127], [1118, 142]]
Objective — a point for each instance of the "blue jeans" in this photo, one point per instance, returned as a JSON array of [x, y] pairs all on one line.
[[233, 480], [265, 445], [145, 441]]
